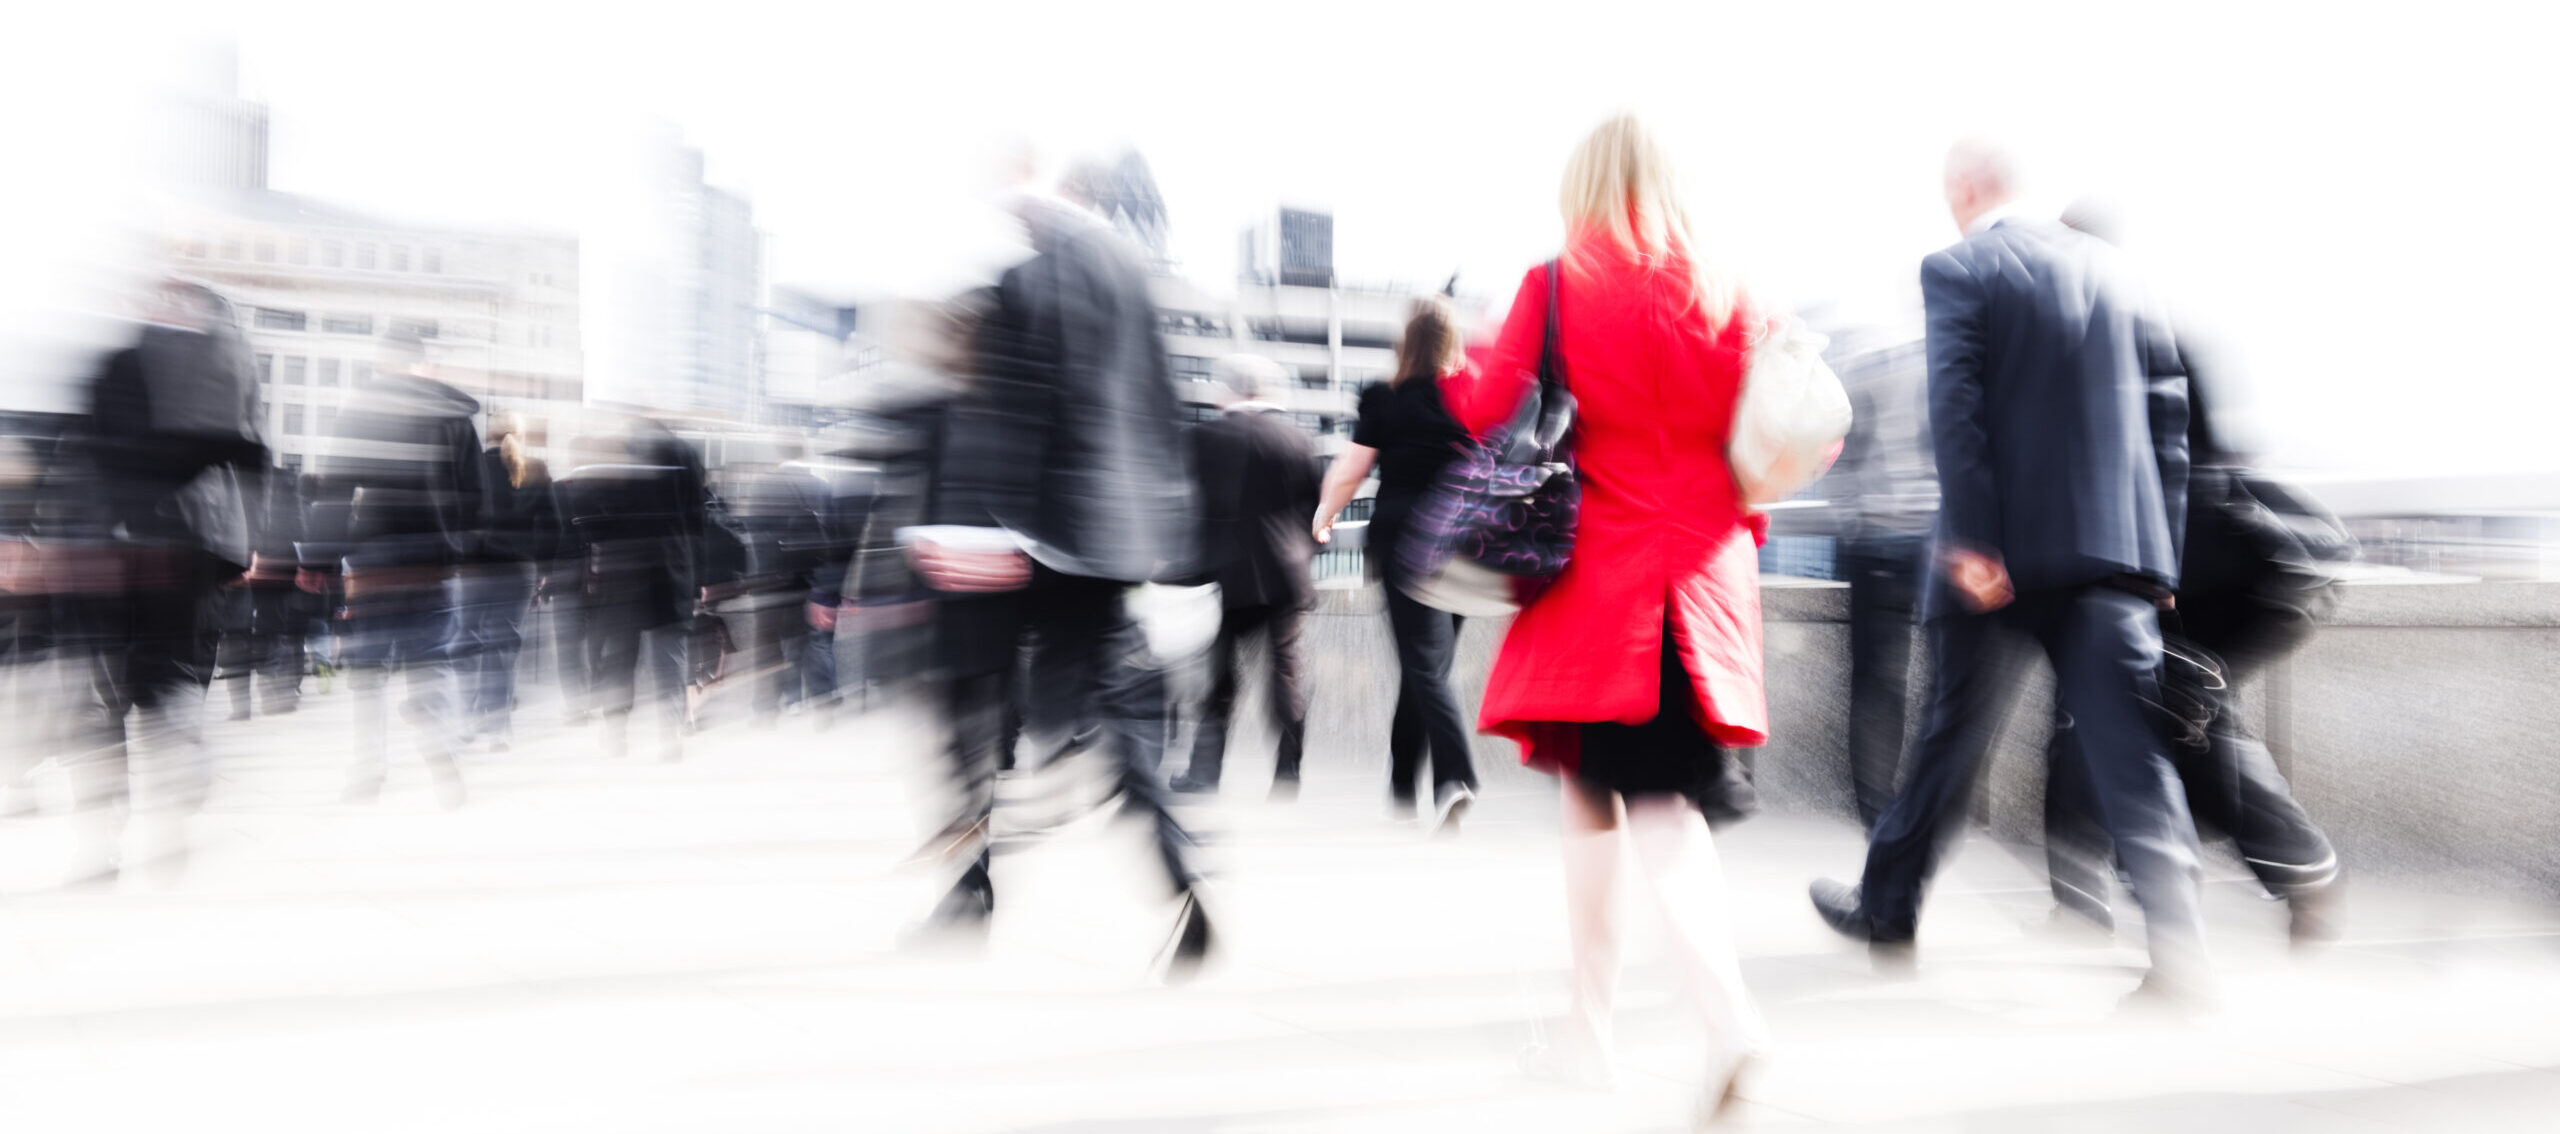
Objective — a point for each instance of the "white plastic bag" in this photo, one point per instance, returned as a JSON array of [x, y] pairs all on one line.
[[1788, 425]]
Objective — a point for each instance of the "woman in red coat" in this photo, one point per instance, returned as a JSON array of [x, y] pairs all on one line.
[[1627, 673]]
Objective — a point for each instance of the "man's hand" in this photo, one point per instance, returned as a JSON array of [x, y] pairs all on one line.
[[970, 572], [1980, 579], [822, 617], [1324, 529]]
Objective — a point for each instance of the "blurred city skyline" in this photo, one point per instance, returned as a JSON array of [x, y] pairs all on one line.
[[2278, 172]]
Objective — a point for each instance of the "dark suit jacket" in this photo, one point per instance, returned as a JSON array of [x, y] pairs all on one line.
[[1258, 490], [2058, 407], [1070, 435]]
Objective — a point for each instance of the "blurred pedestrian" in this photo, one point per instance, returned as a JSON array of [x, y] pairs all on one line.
[[1258, 483], [1406, 435], [1887, 483], [405, 465], [2058, 409], [2250, 592], [1062, 482], [518, 544], [635, 520], [1626, 674], [152, 514]]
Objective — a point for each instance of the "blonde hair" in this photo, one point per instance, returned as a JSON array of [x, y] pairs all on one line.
[[510, 431], [1431, 345], [1620, 183]]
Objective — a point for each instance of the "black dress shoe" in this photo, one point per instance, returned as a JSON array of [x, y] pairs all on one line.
[[1843, 909], [1191, 941], [1185, 785], [1837, 902]]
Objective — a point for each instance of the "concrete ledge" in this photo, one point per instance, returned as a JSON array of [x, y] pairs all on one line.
[[2421, 728]]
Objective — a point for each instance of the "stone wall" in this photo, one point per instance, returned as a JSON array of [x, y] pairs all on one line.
[[2421, 727]]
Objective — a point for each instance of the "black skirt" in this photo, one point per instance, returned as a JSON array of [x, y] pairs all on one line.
[[1670, 754]]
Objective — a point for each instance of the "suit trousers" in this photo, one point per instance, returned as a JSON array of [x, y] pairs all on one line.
[[1884, 574], [1282, 626], [2104, 645]]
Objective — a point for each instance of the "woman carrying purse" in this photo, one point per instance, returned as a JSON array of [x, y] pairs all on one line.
[[1628, 673]]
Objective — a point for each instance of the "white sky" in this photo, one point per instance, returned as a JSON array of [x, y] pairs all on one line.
[[2361, 207]]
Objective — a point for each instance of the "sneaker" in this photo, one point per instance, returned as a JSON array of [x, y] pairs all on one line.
[[1449, 805]]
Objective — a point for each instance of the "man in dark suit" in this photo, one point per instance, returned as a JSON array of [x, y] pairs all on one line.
[[2058, 410], [1258, 485], [1066, 459]]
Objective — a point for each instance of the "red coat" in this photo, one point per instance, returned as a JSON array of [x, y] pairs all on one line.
[[1662, 525]]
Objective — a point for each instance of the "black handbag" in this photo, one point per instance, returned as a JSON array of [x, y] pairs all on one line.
[[1500, 523]]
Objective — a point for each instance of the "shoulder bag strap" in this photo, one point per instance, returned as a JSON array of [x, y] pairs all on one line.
[[1555, 402]]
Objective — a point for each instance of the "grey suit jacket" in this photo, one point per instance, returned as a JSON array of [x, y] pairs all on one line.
[[2058, 409]]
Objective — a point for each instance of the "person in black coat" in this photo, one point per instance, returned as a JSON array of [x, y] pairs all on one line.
[[2059, 413], [1065, 456], [403, 477], [635, 518], [519, 540], [1258, 485], [149, 512]]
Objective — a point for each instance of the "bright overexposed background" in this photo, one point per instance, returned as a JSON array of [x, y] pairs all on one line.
[[2357, 209]]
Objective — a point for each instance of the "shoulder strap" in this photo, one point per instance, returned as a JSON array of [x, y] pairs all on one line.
[[1555, 401]]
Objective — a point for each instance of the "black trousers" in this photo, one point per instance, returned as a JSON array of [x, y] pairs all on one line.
[[264, 649], [1089, 665], [150, 654], [2232, 783], [1427, 714], [2105, 648], [1884, 574], [1283, 627]]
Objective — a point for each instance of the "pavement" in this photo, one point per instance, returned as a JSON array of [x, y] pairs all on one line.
[[630, 945]]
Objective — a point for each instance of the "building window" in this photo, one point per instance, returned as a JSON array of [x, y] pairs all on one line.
[[359, 373], [266, 368], [399, 257], [328, 417], [298, 253], [293, 421], [431, 261], [333, 254], [423, 328], [270, 319], [347, 324], [266, 251], [196, 246], [293, 368], [328, 368], [231, 248], [364, 257]]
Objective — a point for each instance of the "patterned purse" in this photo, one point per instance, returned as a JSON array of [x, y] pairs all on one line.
[[1499, 525]]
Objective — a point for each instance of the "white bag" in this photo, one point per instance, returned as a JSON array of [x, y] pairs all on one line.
[[1178, 622], [1788, 425]]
